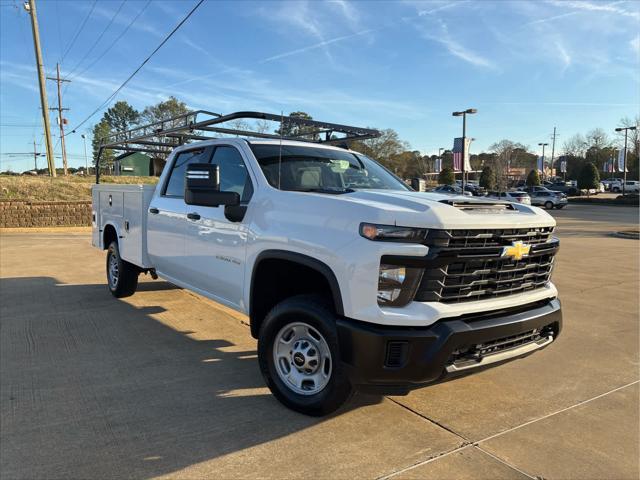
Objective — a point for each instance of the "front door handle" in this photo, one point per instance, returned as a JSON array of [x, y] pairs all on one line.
[[193, 216], [154, 210]]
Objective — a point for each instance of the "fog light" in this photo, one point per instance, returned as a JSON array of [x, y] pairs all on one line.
[[397, 284]]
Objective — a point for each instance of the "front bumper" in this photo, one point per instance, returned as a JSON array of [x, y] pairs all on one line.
[[393, 360]]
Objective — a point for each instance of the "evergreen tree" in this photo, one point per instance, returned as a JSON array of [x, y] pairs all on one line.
[[533, 179], [446, 177], [488, 178]]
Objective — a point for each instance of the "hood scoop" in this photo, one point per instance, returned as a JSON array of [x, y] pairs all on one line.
[[481, 207]]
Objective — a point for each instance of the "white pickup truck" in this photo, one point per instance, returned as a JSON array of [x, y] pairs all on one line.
[[351, 280]]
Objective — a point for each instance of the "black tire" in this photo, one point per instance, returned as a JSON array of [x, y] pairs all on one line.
[[616, 190], [125, 281], [548, 205], [314, 312]]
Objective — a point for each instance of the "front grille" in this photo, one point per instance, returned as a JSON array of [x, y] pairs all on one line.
[[466, 265]]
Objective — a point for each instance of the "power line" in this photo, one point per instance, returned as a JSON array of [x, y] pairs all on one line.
[[165, 40], [98, 38], [75, 37], [133, 20]]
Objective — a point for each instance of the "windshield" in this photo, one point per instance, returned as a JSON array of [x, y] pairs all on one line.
[[313, 169]]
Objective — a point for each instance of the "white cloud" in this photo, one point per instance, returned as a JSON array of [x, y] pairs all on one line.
[[635, 44], [454, 47], [564, 56], [596, 7], [315, 46]]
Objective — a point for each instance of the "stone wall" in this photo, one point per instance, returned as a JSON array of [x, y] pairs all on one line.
[[16, 213]]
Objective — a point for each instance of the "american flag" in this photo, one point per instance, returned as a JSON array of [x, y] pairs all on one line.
[[457, 154]]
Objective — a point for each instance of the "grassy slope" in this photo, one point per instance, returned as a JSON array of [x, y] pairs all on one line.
[[60, 188]]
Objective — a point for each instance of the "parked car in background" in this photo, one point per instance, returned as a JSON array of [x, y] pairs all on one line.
[[565, 187], [629, 186], [516, 196], [610, 181], [452, 190], [548, 199], [536, 188]]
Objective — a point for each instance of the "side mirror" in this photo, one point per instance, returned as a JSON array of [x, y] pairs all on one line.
[[202, 187]]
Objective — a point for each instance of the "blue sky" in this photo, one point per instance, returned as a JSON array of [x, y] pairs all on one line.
[[527, 66]]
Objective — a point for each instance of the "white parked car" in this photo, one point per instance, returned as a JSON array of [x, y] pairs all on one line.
[[350, 280], [631, 186], [549, 199], [515, 196]]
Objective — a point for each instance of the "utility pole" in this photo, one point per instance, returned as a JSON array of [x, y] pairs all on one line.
[[553, 150], [30, 7], [35, 156], [59, 81]]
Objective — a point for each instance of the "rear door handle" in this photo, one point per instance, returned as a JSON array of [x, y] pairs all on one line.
[[154, 210], [193, 216]]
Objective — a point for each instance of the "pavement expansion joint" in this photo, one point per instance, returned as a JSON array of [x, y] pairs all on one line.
[[467, 444], [438, 424]]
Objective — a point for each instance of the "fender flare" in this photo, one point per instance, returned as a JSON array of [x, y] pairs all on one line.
[[102, 230], [301, 259]]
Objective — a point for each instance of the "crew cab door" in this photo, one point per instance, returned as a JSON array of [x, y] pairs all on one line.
[[215, 244], [167, 221]]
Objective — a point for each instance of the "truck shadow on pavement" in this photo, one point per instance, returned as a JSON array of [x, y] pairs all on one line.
[[92, 387]]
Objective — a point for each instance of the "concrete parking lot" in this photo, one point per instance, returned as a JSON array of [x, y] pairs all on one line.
[[166, 383]]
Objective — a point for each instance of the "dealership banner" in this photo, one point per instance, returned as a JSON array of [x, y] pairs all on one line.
[[563, 164], [540, 164], [438, 165], [621, 160]]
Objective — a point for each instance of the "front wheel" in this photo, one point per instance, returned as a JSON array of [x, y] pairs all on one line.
[[122, 276], [299, 356], [548, 205]]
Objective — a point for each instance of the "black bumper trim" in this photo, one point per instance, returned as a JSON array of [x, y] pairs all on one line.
[[363, 345]]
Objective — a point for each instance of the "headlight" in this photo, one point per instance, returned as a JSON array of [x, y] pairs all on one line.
[[392, 233], [397, 284]]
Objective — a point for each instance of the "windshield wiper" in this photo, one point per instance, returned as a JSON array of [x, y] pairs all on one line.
[[333, 191]]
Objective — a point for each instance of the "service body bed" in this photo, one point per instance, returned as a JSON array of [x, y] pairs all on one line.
[[124, 207]]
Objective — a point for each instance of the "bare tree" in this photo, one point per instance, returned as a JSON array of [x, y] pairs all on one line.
[[597, 137], [632, 135], [575, 146], [506, 152]]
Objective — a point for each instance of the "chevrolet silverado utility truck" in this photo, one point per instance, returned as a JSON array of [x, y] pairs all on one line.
[[351, 280]]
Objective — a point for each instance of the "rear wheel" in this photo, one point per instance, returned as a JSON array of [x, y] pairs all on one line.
[[548, 205], [616, 189], [122, 276], [300, 358]]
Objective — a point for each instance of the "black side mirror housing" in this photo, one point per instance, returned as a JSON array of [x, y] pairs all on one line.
[[202, 187]]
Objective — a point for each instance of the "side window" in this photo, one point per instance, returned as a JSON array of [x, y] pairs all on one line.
[[175, 184], [233, 172]]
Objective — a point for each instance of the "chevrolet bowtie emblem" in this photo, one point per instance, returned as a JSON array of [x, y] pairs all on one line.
[[517, 250]]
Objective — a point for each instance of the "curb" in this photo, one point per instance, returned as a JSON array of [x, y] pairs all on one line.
[[45, 230]]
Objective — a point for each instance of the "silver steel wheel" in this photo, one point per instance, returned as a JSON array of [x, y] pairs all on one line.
[[302, 358], [113, 271]]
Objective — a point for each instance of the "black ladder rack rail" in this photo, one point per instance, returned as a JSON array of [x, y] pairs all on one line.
[[161, 137]]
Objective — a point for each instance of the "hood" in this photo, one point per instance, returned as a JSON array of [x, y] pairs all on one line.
[[436, 210]]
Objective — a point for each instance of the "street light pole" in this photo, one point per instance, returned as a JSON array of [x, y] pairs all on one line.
[[463, 114], [543, 145], [624, 158], [86, 162]]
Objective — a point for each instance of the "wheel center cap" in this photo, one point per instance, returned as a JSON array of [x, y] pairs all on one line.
[[298, 359]]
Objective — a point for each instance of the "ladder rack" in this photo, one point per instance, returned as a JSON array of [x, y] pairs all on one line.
[[161, 137]]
